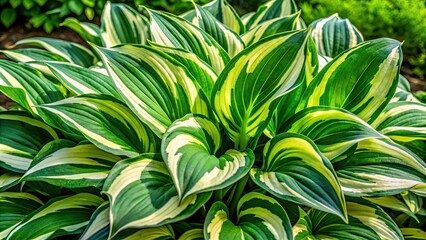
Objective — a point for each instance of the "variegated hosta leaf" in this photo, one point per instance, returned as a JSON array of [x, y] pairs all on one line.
[[403, 83], [26, 86], [288, 104], [322, 61], [413, 201], [98, 226], [164, 232], [393, 203], [79, 80], [73, 52], [14, 207], [249, 88], [403, 96], [122, 24], [88, 31], [8, 180], [157, 88], [172, 31], [63, 163], [366, 222], [60, 216], [142, 194], [258, 217], [361, 80], [193, 234], [270, 10], [227, 38], [189, 147], [413, 233], [271, 27], [32, 54], [106, 122], [21, 139], [333, 130], [294, 169], [223, 12], [379, 167], [202, 72], [333, 35], [402, 121]]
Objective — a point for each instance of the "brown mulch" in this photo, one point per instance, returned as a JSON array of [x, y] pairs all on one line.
[[16, 33]]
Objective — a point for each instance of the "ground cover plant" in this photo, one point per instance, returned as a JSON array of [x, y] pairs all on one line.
[[211, 126]]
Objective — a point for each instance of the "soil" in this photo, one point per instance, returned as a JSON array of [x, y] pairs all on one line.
[[16, 33]]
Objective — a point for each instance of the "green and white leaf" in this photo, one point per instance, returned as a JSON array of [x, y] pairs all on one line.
[[361, 80], [189, 149], [271, 27], [333, 130], [202, 72], [26, 86], [8, 180], [79, 80], [258, 217], [379, 167], [172, 31], [88, 31], [73, 52], [413, 233], [65, 215], [164, 232], [63, 163], [366, 222], [248, 90], [270, 10], [393, 203], [98, 226], [21, 139], [402, 121], [333, 35], [154, 85], [223, 12], [106, 122], [32, 54], [14, 207], [295, 170], [142, 194], [122, 24], [228, 39], [413, 201]]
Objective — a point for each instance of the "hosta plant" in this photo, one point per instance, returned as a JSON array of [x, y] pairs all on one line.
[[210, 126]]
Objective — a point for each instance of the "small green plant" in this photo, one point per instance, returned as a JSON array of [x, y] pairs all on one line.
[[207, 126]]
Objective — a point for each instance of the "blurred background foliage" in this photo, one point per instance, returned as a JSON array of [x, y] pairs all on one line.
[[403, 20]]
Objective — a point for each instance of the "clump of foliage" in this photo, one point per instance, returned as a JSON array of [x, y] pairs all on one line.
[[210, 126], [399, 19]]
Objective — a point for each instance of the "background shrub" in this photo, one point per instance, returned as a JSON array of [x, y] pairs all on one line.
[[403, 20]]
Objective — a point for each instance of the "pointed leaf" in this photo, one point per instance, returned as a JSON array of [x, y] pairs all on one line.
[[270, 10], [122, 24], [153, 201], [106, 122], [294, 169], [26, 86], [60, 216], [32, 54], [393, 203], [98, 226], [228, 39], [247, 91], [88, 31], [258, 217], [8, 180], [223, 12], [361, 80], [189, 150], [156, 87], [73, 52], [271, 27], [172, 31], [333, 130], [79, 80], [63, 163]]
